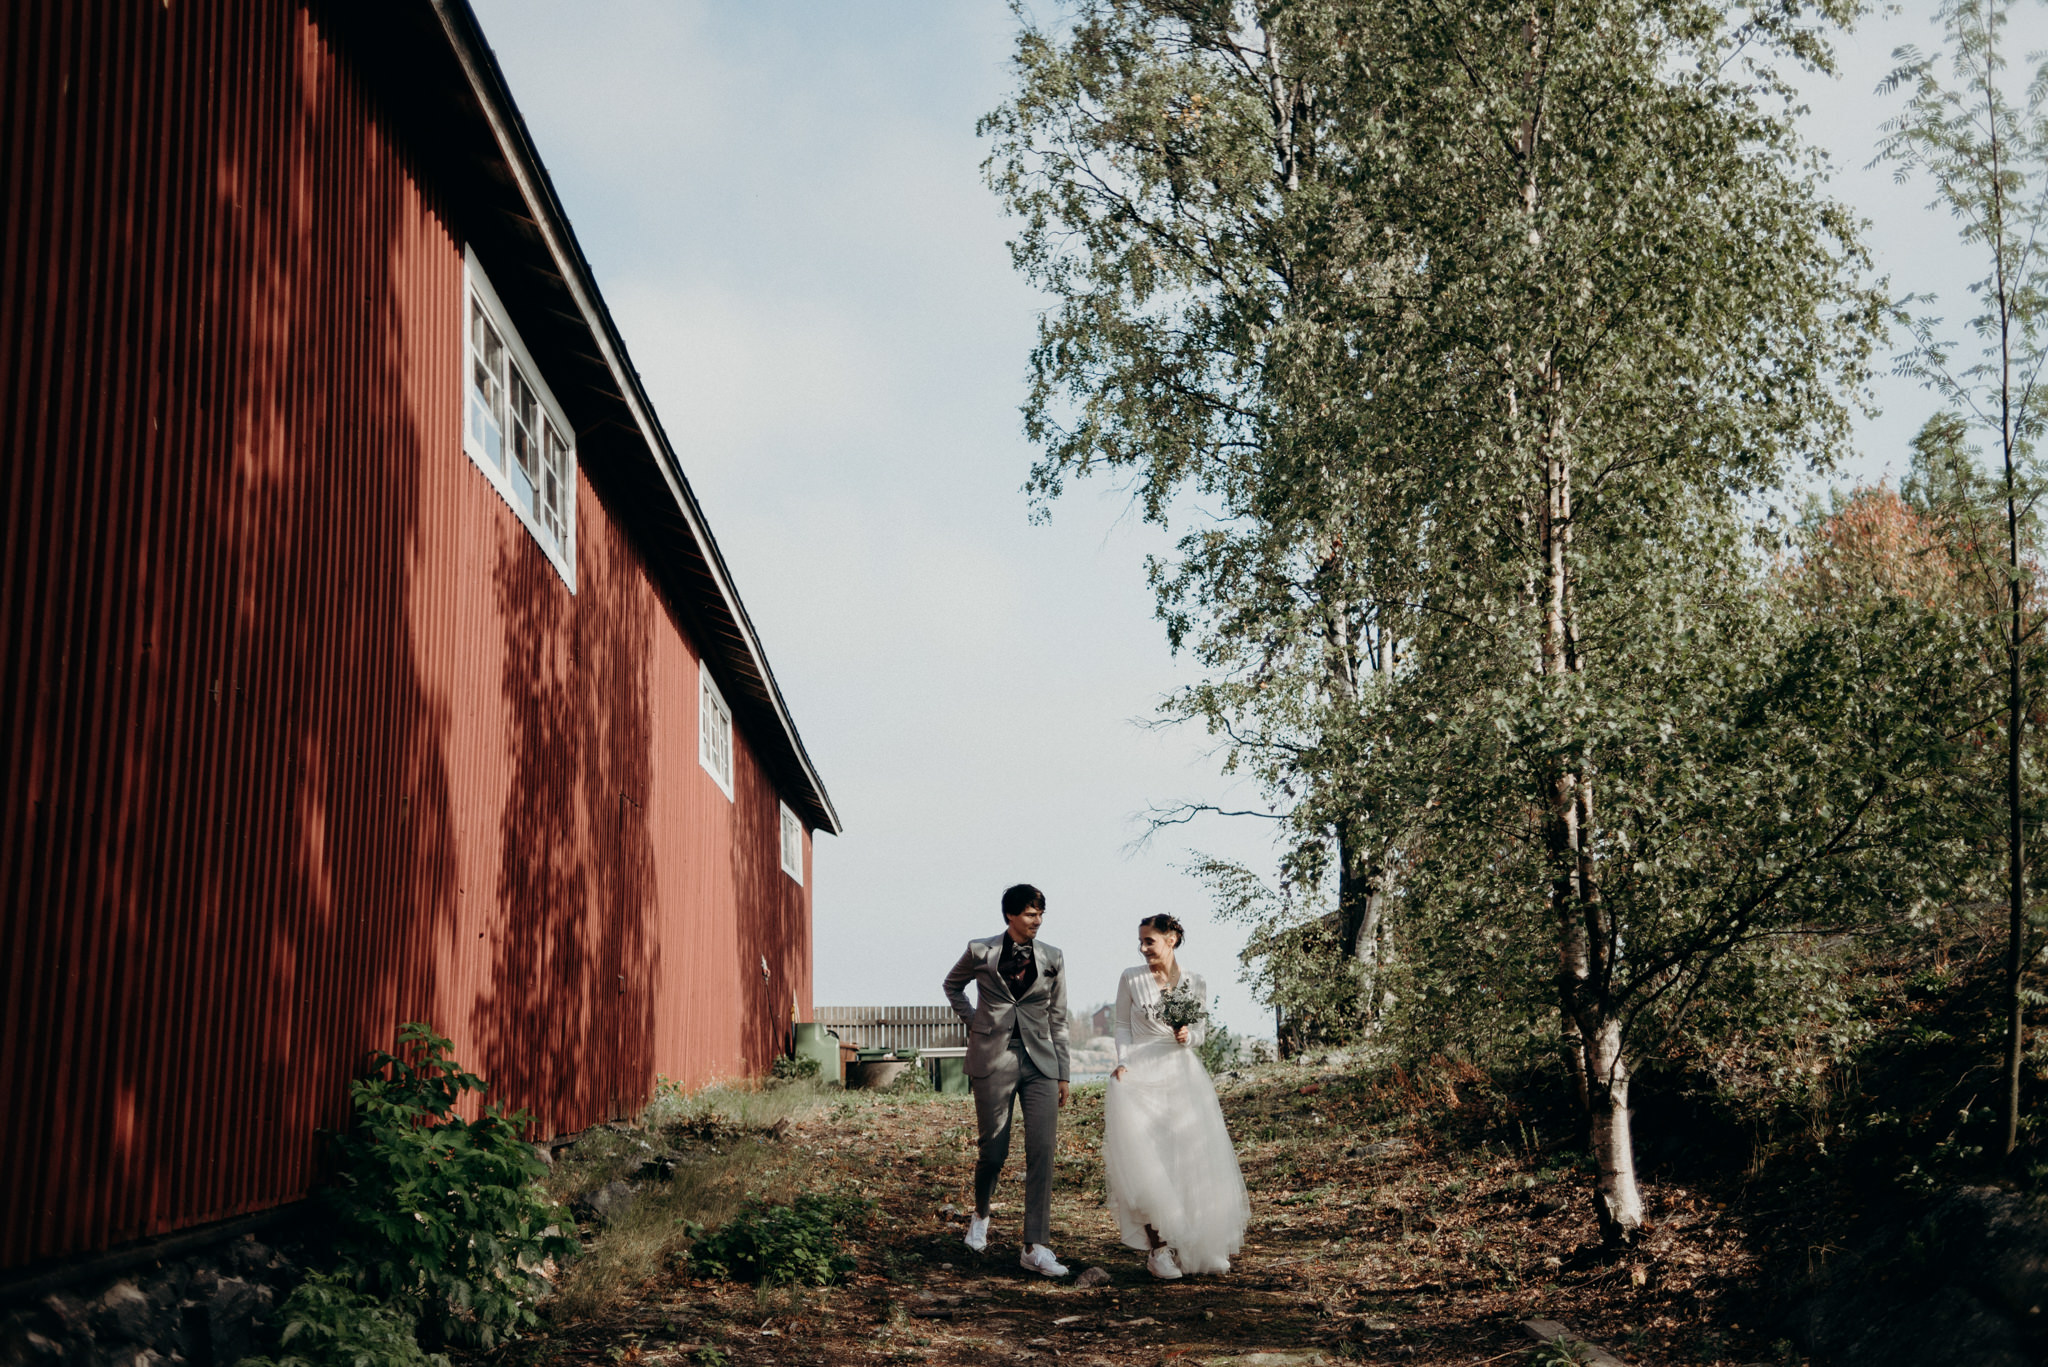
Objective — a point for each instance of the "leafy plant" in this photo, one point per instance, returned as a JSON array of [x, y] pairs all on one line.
[[666, 1105], [793, 1069], [438, 1215], [1219, 1049], [328, 1323], [916, 1079], [792, 1245], [1558, 1352]]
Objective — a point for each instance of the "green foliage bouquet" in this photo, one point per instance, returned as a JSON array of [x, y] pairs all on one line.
[[1180, 1006]]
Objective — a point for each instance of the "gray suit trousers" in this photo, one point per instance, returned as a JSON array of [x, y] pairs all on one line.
[[1016, 1078]]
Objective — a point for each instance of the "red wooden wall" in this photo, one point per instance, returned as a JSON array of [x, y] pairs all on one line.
[[300, 735]]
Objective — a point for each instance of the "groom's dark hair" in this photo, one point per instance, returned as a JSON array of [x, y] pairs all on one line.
[[1016, 899]]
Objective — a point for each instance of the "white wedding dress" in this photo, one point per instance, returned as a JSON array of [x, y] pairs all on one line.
[[1165, 1151]]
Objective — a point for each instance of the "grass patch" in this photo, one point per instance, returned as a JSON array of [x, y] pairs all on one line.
[[724, 1155], [738, 1107]]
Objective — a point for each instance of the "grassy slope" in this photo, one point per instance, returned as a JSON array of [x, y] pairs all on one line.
[[1432, 1254]]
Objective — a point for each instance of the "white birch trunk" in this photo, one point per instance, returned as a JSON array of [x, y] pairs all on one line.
[[1617, 1200]]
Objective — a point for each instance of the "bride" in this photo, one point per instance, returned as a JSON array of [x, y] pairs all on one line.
[[1172, 1170]]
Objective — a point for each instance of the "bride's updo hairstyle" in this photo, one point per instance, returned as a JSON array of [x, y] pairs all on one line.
[[1167, 925]]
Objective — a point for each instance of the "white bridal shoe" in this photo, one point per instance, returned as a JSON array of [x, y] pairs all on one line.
[[1038, 1258], [1161, 1264], [977, 1232]]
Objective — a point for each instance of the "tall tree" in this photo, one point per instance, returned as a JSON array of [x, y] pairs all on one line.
[[1639, 313], [1506, 307], [1169, 162], [1987, 156]]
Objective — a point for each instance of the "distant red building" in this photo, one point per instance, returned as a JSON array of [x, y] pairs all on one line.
[[367, 657]]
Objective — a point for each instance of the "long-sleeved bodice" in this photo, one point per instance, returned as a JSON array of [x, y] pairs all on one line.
[[1137, 998]]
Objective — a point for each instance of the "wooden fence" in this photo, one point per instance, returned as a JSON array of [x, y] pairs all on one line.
[[893, 1027]]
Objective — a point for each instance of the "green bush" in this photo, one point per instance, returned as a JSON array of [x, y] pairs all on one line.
[[1219, 1049], [788, 1069], [792, 1245], [328, 1323], [915, 1079], [439, 1216]]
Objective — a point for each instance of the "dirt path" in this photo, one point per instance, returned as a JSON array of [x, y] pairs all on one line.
[[1393, 1220]]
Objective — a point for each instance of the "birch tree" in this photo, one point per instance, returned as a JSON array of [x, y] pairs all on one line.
[[1171, 167], [1987, 156], [1650, 316]]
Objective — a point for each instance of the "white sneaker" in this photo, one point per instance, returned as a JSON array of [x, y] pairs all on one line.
[[1162, 1265], [977, 1233], [1038, 1258]]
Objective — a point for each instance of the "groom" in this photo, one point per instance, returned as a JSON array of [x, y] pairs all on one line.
[[1016, 1051]]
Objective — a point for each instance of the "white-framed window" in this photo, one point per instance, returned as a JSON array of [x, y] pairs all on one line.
[[714, 731], [512, 427], [792, 843]]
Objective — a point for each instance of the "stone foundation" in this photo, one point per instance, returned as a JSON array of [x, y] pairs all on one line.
[[204, 1308]]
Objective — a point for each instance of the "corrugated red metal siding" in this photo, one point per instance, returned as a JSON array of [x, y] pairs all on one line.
[[301, 737]]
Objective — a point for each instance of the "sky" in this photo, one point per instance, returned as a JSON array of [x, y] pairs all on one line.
[[1914, 246], [783, 205]]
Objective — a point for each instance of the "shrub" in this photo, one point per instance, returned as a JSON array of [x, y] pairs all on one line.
[[441, 1216], [788, 1069], [916, 1078], [328, 1323], [1219, 1049], [792, 1245]]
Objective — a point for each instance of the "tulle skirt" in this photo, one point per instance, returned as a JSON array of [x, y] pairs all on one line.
[[1169, 1161]]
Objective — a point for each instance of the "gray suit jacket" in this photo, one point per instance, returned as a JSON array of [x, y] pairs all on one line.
[[1040, 1014]]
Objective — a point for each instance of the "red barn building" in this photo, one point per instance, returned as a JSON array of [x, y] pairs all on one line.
[[367, 657]]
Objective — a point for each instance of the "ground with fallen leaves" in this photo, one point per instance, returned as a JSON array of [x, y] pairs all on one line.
[[1396, 1217]]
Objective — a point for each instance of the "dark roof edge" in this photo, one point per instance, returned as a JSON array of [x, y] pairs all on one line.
[[480, 64]]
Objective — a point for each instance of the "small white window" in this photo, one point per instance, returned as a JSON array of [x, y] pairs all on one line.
[[513, 428], [714, 731], [792, 844]]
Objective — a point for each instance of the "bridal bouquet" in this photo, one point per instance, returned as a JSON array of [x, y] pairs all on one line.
[[1178, 1006]]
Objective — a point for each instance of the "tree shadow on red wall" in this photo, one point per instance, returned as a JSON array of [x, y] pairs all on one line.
[[774, 932], [229, 347], [566, 1025]]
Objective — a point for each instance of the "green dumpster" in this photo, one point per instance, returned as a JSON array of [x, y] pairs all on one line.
[[949, 1070]]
